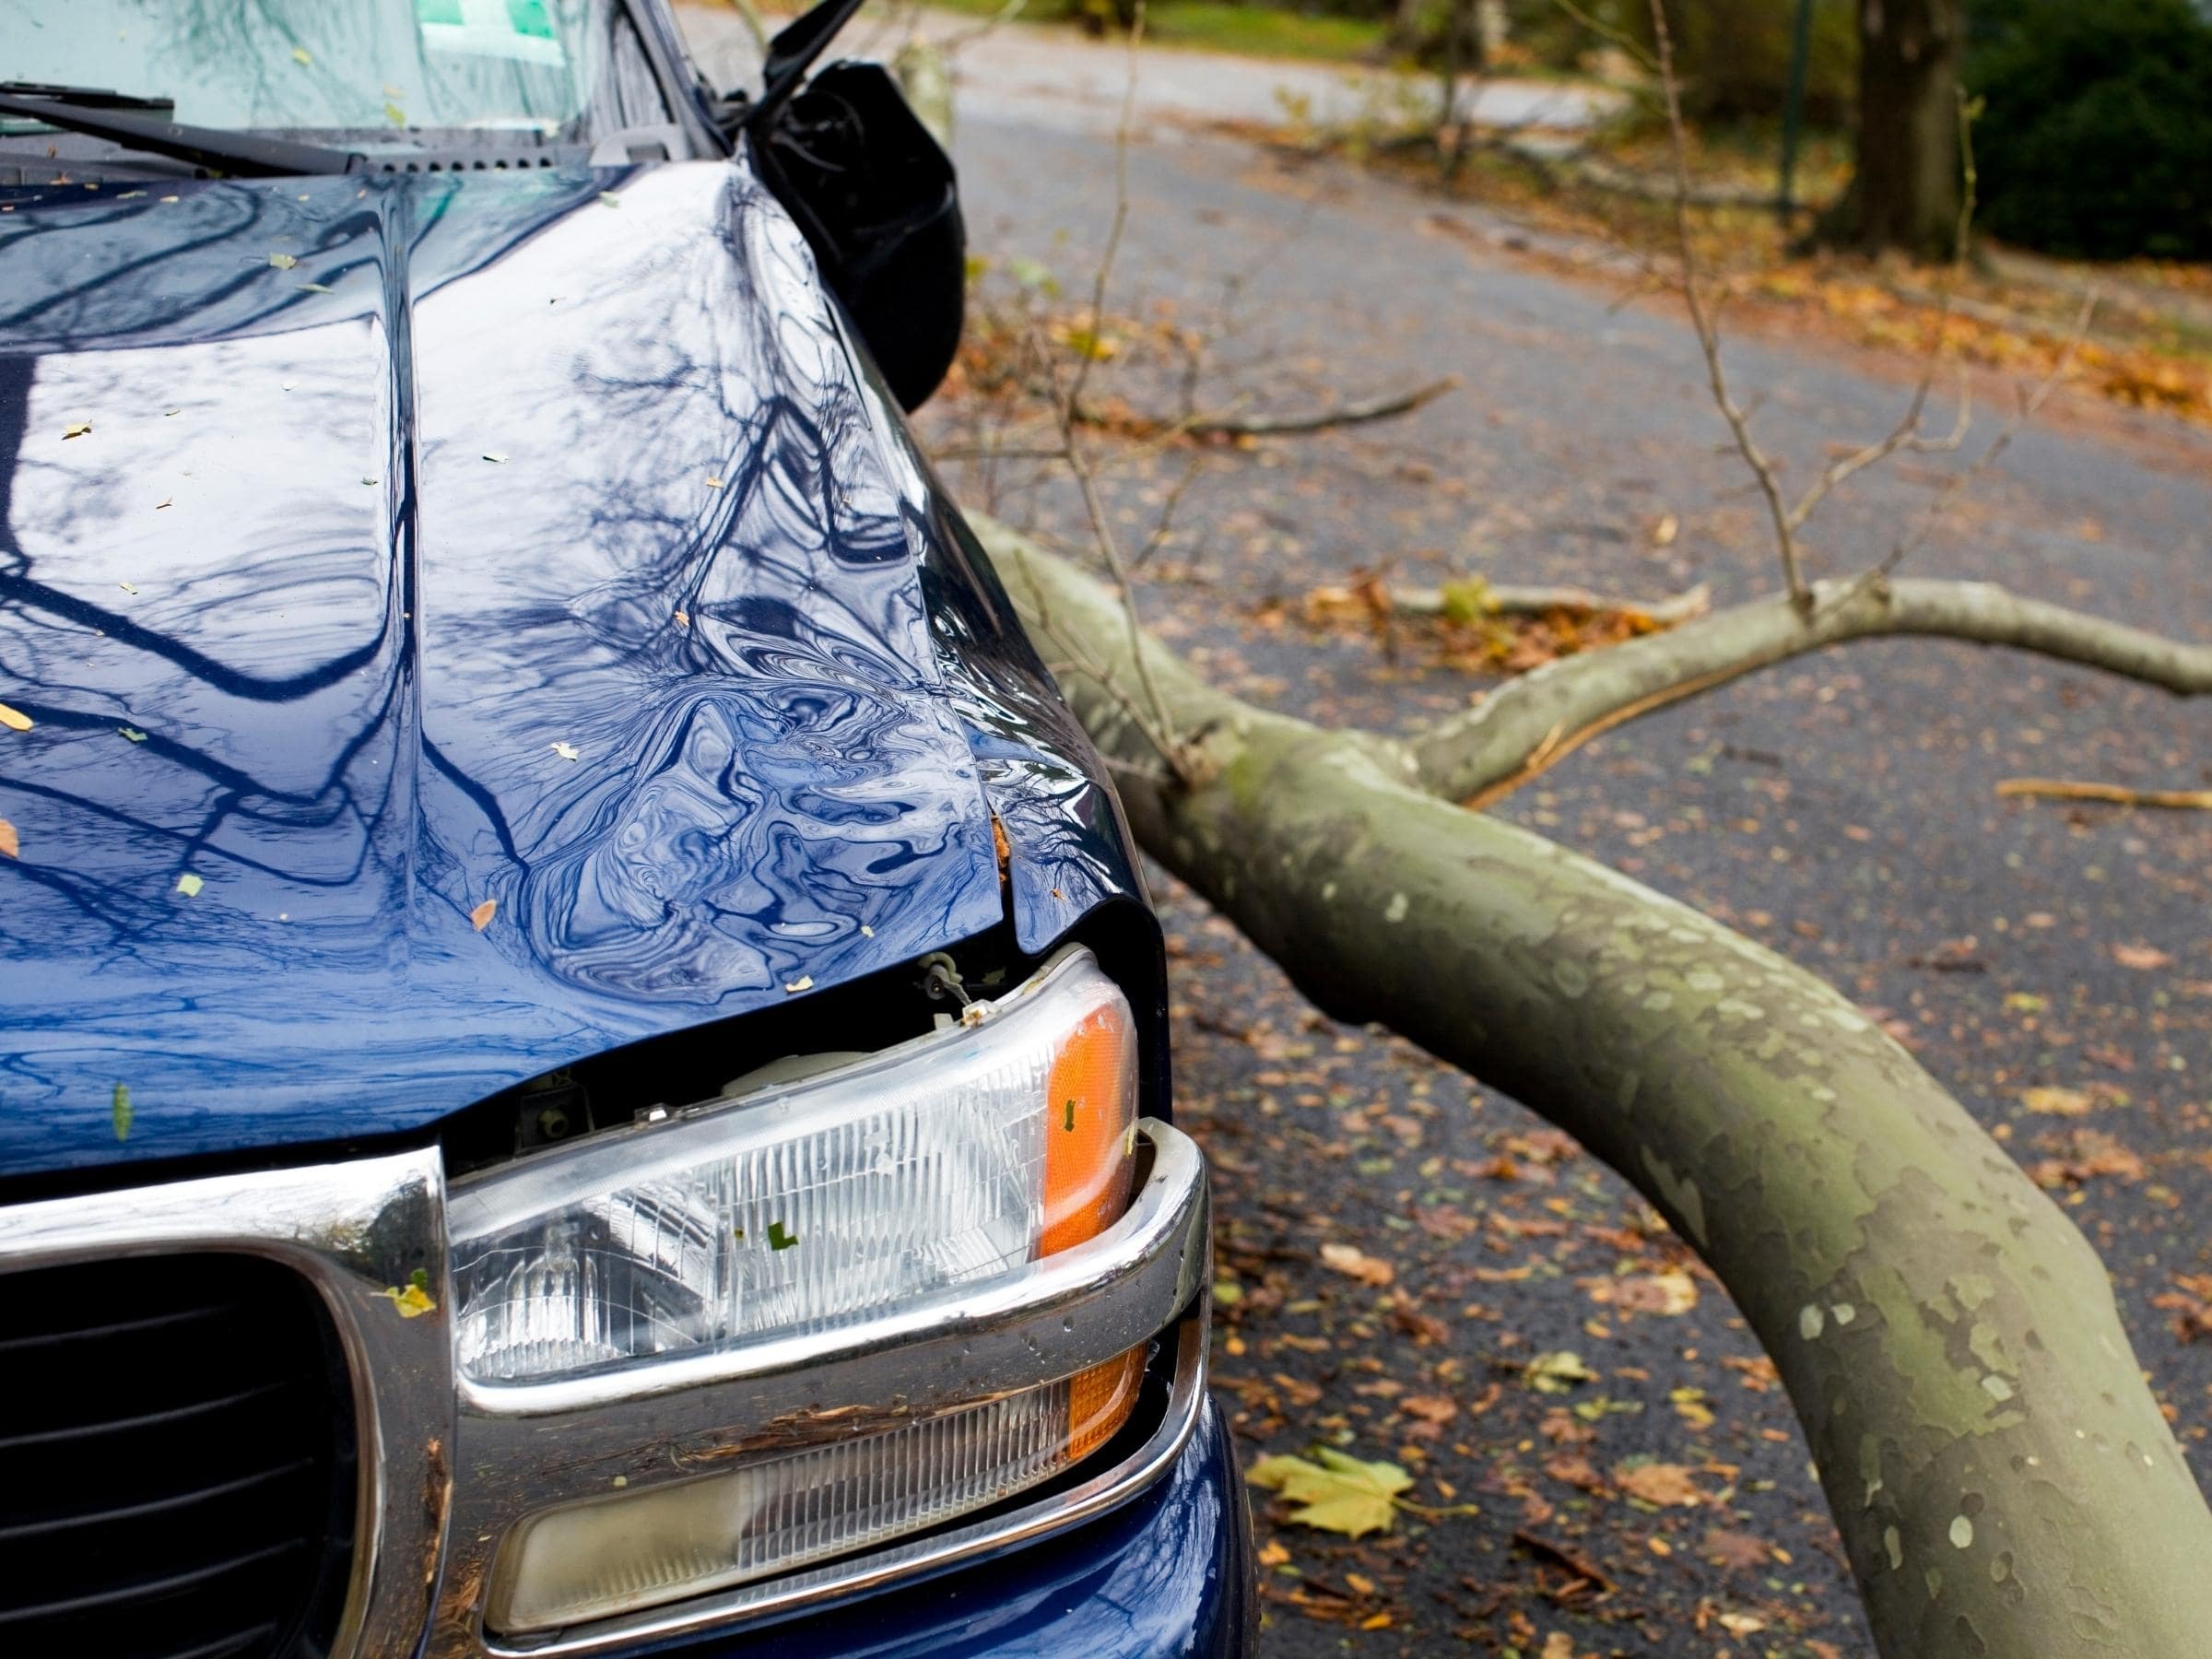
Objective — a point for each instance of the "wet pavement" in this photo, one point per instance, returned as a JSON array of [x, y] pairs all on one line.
[[1841, 809]]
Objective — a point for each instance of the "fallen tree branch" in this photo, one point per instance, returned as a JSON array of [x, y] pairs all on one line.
[[2003, 1480], [1355, 413], [1566, 703], [1492, 599], [2116, 795]]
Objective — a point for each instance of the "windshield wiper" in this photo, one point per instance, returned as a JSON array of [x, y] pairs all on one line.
[[93, 111]]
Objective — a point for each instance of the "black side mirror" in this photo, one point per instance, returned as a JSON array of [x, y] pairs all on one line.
[[874, 194]]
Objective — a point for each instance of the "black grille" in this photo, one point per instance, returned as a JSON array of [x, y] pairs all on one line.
[[176, 1462]]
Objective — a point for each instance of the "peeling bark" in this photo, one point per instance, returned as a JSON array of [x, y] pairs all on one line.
[[2002, 1478]]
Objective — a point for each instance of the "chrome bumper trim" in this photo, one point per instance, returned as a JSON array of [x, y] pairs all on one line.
[[823, 1587], [353, 1230], [528, 1447]]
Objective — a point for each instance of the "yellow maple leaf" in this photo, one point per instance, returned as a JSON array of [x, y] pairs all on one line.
[[1337, 1492]]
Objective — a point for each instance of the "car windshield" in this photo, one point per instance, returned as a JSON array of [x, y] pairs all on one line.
[[570, 69]]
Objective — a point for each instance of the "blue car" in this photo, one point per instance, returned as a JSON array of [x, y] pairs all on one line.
[[584, 1060]]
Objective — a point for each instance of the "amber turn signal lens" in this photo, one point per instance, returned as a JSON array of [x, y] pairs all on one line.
[[1090, 1159]]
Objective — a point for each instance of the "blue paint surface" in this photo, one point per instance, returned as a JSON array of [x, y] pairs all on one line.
[[499, 467]]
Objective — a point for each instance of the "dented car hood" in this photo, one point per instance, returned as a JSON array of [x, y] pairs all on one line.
[[466, 623]]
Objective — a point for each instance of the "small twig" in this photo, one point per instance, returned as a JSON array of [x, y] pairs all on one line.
[[1620, 38], [1343, 415], [1166, 526], [2116, 795], [1558, 742], [1706, 323], [1535, 1544], [1915, 538]]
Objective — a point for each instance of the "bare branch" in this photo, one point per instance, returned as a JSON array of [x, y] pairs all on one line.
[[1511, 600], [2116, 795], [1345, 414], [1551, 711], [1706, 322]]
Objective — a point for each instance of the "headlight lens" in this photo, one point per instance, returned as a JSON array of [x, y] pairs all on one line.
[[947, 1160], [943, 1162]]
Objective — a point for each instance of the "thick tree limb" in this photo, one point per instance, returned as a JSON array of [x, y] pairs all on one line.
[[2002, 1478], [1548, 713]]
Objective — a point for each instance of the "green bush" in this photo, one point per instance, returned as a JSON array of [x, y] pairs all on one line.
[[1732, 56], [2096, 137]]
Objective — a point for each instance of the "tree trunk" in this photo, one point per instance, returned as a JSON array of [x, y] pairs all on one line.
[[1906, 190], [2003, 1480]]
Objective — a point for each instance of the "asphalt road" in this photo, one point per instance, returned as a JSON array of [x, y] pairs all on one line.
[[1841, 809]]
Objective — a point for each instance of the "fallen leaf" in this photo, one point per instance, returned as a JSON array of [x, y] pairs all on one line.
[[1742, 1624], [127, 587], [1337, 1493], [1671, 1292], [413, 1302], [804, 982], [713, 483], [683, 619], [1429, 1408], [15, 720], [1737, 1551], [189, 884], [302, 56], [165, 501], [1557, 1645], [395, 116], [1666, 530], [2145, 957], [133, 732], [1664, 1483], [120, 1113], [2057, 1102], [497, 457], [1358, 1264], [282, 262], [76, 429], [607, 198], [568, 751], [9, 844], [315, 287], [480, 918], [1557, 1373]]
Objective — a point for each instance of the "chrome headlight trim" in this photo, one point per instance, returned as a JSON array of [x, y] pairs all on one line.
[[527, 1447], [820, 1588], [354, 1231]]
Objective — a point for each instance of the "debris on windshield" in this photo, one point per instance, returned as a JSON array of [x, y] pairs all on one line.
[[189, 884], [9, 844], [302, 56], [282, 262], [76, 429], [804, 982], [497, 457], [480, 918], [133, 732], [315, 287], [610, 199], [568, 751], [15, 720], [119, 1111]]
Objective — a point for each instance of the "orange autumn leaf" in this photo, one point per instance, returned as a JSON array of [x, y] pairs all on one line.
[[480, 918]]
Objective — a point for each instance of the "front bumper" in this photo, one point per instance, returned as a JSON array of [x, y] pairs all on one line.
[[1165, 1513]]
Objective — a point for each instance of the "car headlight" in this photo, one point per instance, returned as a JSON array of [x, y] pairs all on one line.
[[804, 1210], [939, 1162]]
